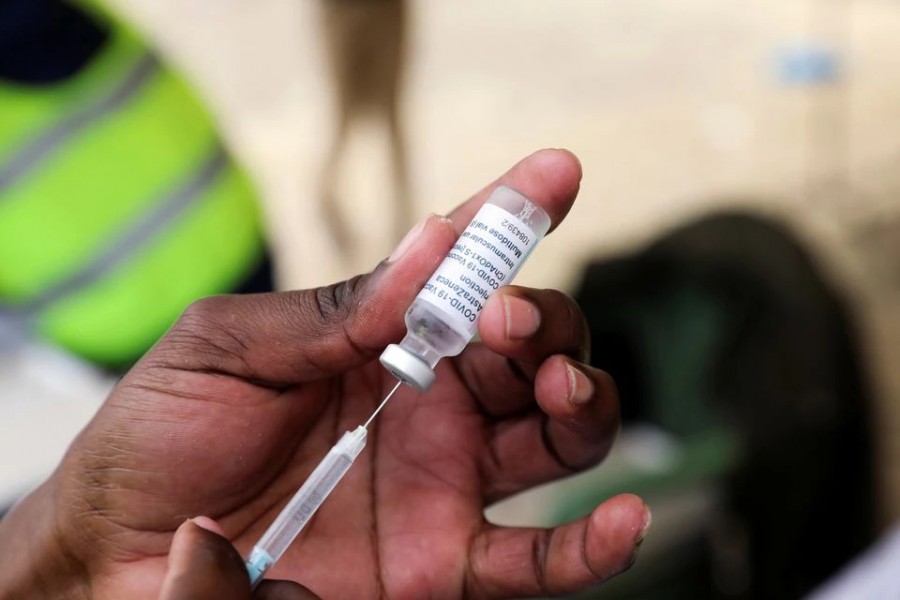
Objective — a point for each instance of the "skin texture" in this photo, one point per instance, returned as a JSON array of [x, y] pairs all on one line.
[[203, 564], [236, 405]]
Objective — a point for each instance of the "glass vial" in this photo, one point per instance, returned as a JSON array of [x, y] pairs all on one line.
[[444, 316]]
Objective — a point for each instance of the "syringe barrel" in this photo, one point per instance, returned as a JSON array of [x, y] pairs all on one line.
[[303, 505]]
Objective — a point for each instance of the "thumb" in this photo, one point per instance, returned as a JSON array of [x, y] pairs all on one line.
[[203, 565], [289, 337]]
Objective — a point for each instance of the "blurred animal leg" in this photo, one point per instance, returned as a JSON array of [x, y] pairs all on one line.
[[403, 204], [329, 204]]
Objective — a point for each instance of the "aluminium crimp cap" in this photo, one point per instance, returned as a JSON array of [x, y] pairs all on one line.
[[407, 367]]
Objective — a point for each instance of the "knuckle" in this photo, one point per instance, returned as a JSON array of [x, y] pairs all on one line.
[[200, 314], [204, 336], [336, 302], [540, 551]]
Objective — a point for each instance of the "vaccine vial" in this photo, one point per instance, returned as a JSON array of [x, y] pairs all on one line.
[[444, 316]]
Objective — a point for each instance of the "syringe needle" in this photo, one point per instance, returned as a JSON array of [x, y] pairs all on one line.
[[383, 402]]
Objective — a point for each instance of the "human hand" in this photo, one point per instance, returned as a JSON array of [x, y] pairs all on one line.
[[203, 565], [235, 406]]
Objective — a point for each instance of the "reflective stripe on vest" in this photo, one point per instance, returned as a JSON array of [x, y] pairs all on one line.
[[116, 215], [29, 157]]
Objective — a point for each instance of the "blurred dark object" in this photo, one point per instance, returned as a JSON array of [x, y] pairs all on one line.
[[43, 41], [261, 279], [728, 322]]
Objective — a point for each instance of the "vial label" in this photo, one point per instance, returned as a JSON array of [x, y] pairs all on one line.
[[485, 257]]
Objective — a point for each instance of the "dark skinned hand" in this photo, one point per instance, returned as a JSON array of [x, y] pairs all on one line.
[[234, 407]]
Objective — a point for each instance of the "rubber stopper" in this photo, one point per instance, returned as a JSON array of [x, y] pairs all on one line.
[[407, 367]]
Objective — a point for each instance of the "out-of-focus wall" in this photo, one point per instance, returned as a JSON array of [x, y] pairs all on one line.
[[674, 108]]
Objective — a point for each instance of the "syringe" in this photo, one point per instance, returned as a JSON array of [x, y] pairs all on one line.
[[304, 504], [309, 497], [440, 322]]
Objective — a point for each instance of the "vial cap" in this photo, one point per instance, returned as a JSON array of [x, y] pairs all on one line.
[[407, 367]]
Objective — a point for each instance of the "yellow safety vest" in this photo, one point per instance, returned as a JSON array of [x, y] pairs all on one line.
[[118, 205]]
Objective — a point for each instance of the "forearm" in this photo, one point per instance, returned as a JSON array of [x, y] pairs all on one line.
[[34, 559]]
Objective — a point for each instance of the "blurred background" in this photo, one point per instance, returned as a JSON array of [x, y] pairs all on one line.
[[735, 247]]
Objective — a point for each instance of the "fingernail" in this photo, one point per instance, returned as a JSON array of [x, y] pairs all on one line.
[[648, 519], [207, 524], [581, 388], [409, 239], [522, 317]]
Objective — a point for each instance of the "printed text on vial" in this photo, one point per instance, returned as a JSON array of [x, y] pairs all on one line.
[[485, 257]]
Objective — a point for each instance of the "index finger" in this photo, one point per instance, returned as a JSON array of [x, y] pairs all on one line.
[[550, 178], [346, 324]]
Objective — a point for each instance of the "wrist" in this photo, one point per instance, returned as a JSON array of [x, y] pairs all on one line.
[[35, 560]]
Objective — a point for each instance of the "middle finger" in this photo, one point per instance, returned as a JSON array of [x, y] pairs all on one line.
[[520, 328]]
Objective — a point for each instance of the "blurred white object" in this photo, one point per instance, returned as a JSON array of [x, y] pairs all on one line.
[[649, 448], [728, 127], [46, 397], [872, 576]]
